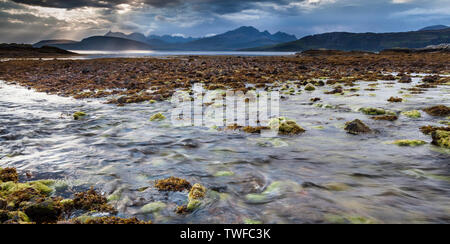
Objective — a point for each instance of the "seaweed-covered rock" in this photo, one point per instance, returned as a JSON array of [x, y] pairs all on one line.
[[386, 117], [395, 99], [157, 117], [412, 114], [310, 87], [197, 193], [110, 221], [285, 126], [173, 184], [441, 138], [409, 143], [8, 174], [373, 111], [255, 130], [440, 110], [79, 115], [43, 212], [92, 201], [357, 127], [427, 130]]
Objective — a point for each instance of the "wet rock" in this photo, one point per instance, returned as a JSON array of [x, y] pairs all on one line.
[[8, 174], [357, 127], [441, 138], [252, 222], [335, 186], [153, 207], [79, 115], [224, 173], [310, 87], [373, 111], [92, 201], [255, 130], [157, 117], [412, 114], [440, 110], [197, 193], [336, 90], [395, 100], [405, 79], [285, 126], [409, 143], [274, 190], [427, 130], [431, 79]]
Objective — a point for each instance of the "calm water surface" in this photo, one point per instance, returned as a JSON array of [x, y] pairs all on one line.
[[322, 176]]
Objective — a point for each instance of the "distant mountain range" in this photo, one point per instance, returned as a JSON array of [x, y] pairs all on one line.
[[248, 38], [103, 43], [435, 27], [365, 41], [243, 37]]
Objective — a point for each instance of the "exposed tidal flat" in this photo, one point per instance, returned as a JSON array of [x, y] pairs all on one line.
[[371, 144]]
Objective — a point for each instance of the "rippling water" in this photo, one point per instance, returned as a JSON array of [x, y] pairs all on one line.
[[120, 152]]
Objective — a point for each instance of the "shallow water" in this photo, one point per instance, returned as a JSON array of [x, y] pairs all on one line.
[[121, 153], [159, 54]]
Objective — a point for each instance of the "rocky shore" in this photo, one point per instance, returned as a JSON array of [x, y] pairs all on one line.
[[147, 79]]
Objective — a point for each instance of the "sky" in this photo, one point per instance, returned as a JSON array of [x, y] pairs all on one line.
[[29, 21]]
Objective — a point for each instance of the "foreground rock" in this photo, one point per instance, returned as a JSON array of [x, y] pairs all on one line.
[[440, 110], [285, 126], [357, 127], [441, 138], [33, 202]]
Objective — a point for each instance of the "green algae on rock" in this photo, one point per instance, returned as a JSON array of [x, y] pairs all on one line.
[[79, 115], [441, 138], [224, 173], [157, 117], [252, 222], [33, 202], [409, 143], [276, 189], [427, 130], [395, 100], [197, 193], [412, 114], [310, 87], [285, 126], [153, 207], [373, 111], [348, 219]]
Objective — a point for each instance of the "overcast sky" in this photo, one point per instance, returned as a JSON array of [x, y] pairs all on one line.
[[28, 21]]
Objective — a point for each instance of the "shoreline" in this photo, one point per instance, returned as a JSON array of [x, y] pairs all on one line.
[[135, 80]]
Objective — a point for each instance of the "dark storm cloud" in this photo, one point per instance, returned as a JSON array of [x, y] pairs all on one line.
[[70, 4], [215, 6]]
